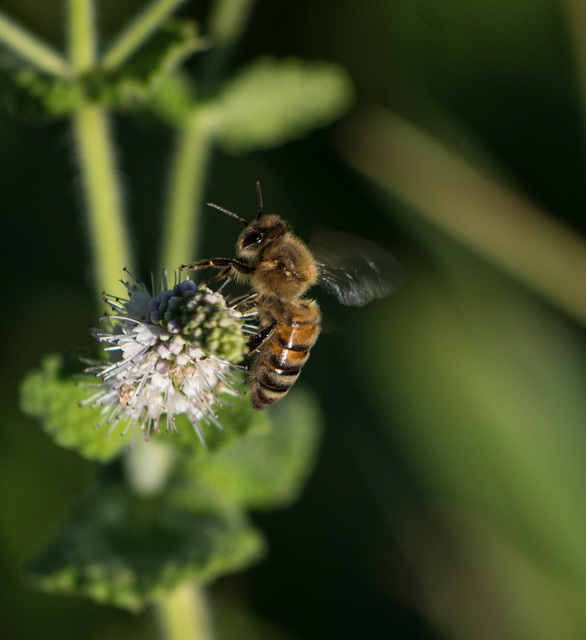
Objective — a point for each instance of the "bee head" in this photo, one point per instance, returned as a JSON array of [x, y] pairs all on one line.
[[258, 235]]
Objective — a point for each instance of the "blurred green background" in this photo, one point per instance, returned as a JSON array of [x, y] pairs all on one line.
[[449, 500]]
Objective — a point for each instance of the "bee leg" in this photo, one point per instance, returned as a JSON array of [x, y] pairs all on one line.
[[246, 305], [220, 276], [219, 263], [256, 341]]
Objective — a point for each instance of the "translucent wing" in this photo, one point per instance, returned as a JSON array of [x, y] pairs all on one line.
[[353, 269]]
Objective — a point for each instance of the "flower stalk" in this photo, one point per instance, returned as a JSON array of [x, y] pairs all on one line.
[[31, 48], [184, 615], [186, 185], [82, 35], [102, 193], [194, 143], [96, 159]]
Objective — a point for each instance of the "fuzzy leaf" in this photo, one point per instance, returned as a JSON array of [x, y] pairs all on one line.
[[127, 551], [28, 93], [272, 101], [24, 91], [267, 467], [53, 396], [173, 99], [157, 60], [237, 419]]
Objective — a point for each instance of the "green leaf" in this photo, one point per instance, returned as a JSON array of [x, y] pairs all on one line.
[[142, 75], [173, 100], [267, 467], [237, 419], [28, 93], [127, 551], [271, 102], [53, 396]]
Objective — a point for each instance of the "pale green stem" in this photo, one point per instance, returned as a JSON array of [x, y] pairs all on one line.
[[148, 466], [227, 21], [184, 615], [138, 31], [186, 184], [82, 35], [97, 162], [102, 191], [194, 144], [29, 47]]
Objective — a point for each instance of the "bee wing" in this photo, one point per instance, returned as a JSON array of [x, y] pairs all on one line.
[[353, 269]]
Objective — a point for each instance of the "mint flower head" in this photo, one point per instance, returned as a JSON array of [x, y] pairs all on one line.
[[177, 351]]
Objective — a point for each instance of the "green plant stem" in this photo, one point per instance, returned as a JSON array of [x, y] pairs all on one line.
[[31, 48], [82, 35], [186, 184], [195, 141], [147, 466], [227, 21], [138, 31], [184, 615], [97, 162], [102, 192]]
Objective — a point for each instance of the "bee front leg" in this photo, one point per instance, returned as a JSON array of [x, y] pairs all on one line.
[[224, 273], [256, 341], [225, 264], [218, 263]]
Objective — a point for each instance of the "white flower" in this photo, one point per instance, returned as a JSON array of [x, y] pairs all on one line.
[[177, 350]]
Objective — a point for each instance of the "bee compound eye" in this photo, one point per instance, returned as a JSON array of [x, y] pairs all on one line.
[[253, 237]]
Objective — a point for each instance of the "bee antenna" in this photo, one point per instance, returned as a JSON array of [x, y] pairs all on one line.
[[259, 194], [228, 213]]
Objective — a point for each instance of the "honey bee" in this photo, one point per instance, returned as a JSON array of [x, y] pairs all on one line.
[[280, 268]]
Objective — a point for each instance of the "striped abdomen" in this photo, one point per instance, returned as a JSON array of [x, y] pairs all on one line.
[[284, 352]]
